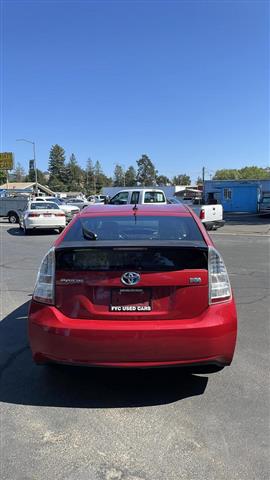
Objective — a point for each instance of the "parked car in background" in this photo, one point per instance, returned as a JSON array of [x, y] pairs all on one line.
[[139, 196], [98, 198], [210, 215], [70, 210], [42, 215], [264, 206], [134, 287], [77, 202]]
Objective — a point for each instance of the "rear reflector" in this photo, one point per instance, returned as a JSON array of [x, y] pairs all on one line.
[[44, 288], [219, 283]]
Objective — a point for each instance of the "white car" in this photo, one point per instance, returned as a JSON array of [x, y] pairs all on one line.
[[70, 210], [78, 202], [42, 215]]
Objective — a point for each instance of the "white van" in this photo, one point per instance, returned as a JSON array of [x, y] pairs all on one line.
[[139, 196]]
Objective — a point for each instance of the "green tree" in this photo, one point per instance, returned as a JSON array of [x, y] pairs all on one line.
[[199, 181], [246, 173], [254, 173], [182, 179], [57, 160], [40, 177], [146, 173], [163, 180], [119, 176], [74, 175], [3, 177], [89, 179], [19, 173], [226, 174], [130, 177]]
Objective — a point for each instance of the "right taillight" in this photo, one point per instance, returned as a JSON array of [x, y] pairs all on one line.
[[219, 283], [44, 288]]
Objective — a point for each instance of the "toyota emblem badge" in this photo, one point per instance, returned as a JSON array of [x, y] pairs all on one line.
[[130, 278]]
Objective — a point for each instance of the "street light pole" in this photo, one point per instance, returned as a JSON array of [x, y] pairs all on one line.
[[35, 164]]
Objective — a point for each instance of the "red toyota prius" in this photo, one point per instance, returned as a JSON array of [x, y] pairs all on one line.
[[133, 286]]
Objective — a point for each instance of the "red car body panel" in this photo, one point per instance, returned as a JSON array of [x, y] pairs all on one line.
[[181, 329]]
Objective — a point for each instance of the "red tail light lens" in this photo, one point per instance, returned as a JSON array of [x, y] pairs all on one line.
[[59, 214], [32, 215], [202, 214]]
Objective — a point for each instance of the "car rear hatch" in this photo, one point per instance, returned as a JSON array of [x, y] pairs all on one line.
[[144, 281]]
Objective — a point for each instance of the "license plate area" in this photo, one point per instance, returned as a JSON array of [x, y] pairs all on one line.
[[131, 300]]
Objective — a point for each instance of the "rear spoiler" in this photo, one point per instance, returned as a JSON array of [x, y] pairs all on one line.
[[116, 244]]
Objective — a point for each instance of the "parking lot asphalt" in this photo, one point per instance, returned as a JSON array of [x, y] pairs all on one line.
[[70, 423]]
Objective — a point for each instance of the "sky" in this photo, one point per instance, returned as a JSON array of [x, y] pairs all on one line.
[[185, 82]]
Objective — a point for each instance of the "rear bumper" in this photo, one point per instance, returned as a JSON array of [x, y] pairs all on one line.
[[207, 339], [214, 224]]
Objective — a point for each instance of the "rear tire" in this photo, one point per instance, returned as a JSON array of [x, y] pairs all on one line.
[[13, 218]]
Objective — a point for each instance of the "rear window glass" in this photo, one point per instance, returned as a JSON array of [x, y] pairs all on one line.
[[143, 259], [135, 228], [43, 206], [154, 197]]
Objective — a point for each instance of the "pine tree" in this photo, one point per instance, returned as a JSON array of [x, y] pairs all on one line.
[[119, 176], [146, 174], [89, 179], [130, 177], [57, 161]]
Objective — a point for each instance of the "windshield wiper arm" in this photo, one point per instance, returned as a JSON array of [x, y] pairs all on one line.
[[88, 235]]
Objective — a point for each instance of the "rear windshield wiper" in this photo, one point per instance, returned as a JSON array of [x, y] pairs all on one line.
[[88, 235]]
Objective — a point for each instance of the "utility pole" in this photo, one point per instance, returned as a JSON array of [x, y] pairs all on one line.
[[35, 164], [203, 178]]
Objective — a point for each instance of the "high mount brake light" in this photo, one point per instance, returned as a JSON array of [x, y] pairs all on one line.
[[219, 283], [44, 288]]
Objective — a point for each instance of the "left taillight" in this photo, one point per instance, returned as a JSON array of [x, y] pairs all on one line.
[[44, 291]]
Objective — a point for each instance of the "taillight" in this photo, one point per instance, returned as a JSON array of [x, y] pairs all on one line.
[[44, 288], [219, 283], [31, 215], [202, 214], [59, 214]]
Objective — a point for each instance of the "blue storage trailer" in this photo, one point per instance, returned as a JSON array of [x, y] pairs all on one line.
[[236, 195]]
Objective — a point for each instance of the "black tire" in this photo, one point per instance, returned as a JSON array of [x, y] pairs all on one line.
[[61, 229], [13, 217], [27, 231]]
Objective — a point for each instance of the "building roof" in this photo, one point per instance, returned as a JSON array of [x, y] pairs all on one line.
[[27, 186]]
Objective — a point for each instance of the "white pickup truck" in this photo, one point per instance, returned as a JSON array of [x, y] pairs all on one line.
[[12, 206], [139, 196], [210, 215]]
